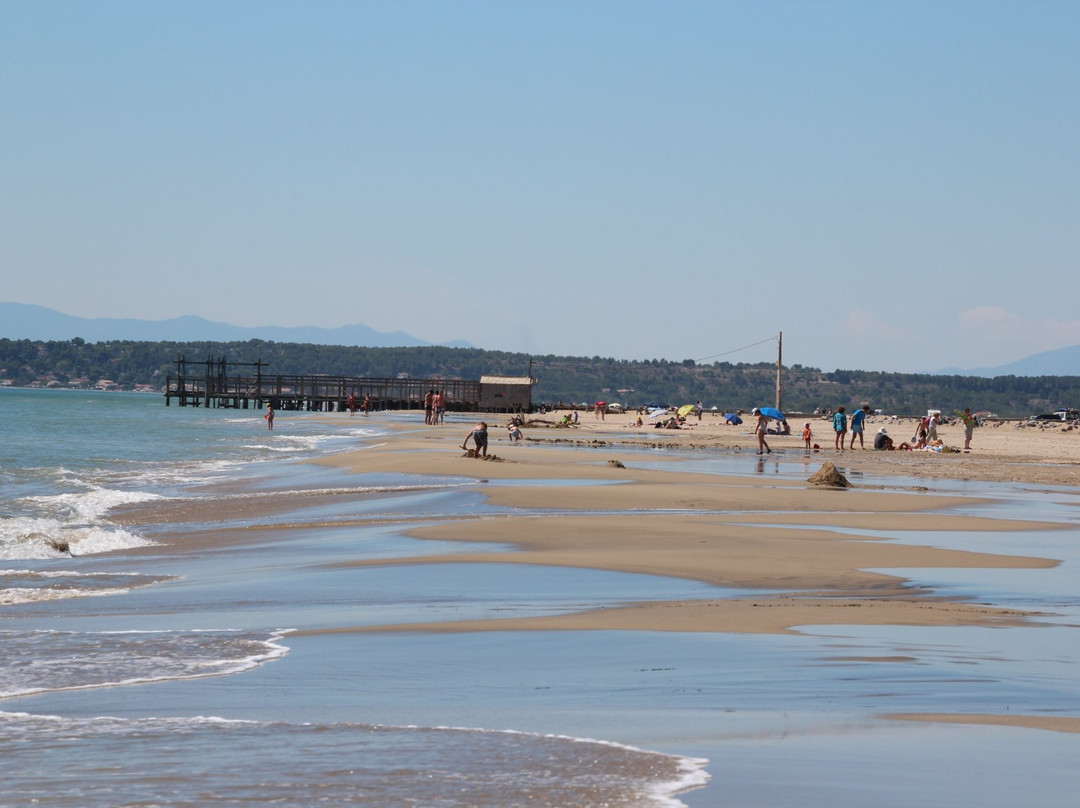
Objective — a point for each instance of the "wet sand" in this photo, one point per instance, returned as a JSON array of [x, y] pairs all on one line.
[[592, 507]]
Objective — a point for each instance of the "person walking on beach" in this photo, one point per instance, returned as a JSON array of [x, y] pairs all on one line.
[[352, 404], [857, 419], [366, 406], [807, 436], [839, 423], [269, 416], [932, 425], [429, 406], [479, 437], [761, 429]]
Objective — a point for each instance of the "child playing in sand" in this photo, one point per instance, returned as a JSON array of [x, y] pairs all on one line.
[[807, 435]]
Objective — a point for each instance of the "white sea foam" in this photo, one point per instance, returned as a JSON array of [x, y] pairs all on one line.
[[31, 586], [78, 661], [68, 523], [30, 537], [256, 761], [90, 504], [14, 595]]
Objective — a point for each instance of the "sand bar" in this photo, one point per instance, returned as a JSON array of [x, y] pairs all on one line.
[[732, 531]]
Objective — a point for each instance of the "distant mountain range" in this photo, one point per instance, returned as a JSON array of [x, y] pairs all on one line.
[[24, 321], [1059, 362]]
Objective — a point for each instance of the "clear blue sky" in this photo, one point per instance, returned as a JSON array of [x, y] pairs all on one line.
[[893, 185]]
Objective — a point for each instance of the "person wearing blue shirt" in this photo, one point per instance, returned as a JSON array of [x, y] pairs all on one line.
[[839, 423], [857, 419]]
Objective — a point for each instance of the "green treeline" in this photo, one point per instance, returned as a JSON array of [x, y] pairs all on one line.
[[559, 378]]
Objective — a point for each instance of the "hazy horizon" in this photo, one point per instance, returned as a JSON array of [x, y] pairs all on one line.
[[889, 184]]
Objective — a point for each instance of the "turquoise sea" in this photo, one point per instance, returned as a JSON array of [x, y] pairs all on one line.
[[145, 665]]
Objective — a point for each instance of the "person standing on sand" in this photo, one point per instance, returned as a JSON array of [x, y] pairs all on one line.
[[807, 436], [761, 429], [932, 425], [479, 436], [429, 404], [857, 419], [366, 405], [440, 407], [269, 416], [969, 426], [839, 423]]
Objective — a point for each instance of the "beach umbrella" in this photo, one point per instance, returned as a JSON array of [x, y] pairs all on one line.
[[772, 412], [657, 414], [732, 418], [686, 409]]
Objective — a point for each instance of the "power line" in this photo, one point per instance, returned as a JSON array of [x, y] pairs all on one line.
[[736, 350]]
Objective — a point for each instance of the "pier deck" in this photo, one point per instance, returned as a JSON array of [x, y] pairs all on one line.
[[215, 383]]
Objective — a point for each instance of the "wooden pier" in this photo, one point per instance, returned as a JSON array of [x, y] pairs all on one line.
[[216, 383]]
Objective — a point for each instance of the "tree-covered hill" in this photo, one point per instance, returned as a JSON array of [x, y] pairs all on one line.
[[559, 378]]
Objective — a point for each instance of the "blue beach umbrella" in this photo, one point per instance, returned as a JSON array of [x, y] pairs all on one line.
[[772, 412], [732, 418]]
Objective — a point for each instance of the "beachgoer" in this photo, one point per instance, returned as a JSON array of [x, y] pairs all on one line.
[[932, 425], [969, 426], [366, 406], [698, 408], [857, 419], [882, 441], [480, 438], [514, 433], [269, 416], [439, 404], [352, 404], [761, 429], [429, 406], [807, 435], [839, 422]]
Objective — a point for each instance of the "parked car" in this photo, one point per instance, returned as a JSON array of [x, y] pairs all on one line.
[[1060, 414]]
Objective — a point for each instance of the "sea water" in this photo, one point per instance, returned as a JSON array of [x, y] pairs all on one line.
[[114, 658], [140, 670]]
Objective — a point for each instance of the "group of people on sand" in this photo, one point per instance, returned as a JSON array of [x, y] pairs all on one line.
[[434, 407], [925, 437], [926, 433], [856, 424], [365, 405]]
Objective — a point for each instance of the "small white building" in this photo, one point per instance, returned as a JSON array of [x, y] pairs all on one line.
[[506, 393]]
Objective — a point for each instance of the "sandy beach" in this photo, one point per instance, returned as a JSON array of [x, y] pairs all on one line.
[[609, 509], [705, 620]]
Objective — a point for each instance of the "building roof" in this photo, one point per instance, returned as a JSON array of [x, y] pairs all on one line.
[[519, 380]]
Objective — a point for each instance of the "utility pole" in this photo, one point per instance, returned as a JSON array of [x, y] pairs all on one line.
[[779, 366]]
